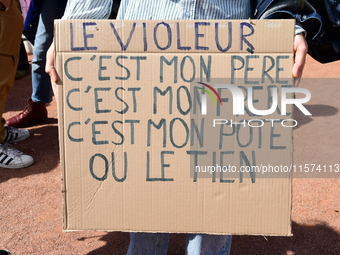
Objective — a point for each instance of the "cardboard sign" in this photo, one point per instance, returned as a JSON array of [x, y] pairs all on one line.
[[176, 126]]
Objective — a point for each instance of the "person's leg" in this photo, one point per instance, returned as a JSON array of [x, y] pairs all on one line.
[[35, 111], [203, 244], [148, 244], [10, 34], [11, 29], [41, 83], [23, 65]]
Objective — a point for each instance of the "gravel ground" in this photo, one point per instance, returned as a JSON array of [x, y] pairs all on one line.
[[31, 201]]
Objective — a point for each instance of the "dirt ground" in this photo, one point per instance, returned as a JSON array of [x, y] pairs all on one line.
[[31, 200]]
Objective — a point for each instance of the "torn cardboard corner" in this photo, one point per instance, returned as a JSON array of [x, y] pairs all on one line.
[[159, 131]]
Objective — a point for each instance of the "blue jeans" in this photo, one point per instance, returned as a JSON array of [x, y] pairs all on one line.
[[41, 83], [196, 244]]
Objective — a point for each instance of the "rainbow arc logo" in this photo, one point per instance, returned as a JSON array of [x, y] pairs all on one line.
[[204, 96]]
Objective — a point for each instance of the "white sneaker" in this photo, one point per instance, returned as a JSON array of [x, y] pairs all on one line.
[[14, 135], [13, 158]]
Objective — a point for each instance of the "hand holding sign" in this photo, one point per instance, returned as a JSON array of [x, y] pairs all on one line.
[[300, 53], [49, 68]]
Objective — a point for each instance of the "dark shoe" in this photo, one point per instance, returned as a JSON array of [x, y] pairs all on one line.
[[21, 73], [34, 112], [4, 252]]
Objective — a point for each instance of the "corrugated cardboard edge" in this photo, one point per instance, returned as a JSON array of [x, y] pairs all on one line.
[[60, 100]]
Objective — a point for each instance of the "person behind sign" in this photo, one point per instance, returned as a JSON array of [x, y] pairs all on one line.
[[10, 39], [157, 243]]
